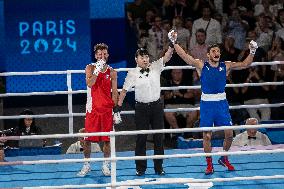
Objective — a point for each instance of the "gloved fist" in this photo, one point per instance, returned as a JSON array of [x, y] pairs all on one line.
[[116, 115], [252, 47], [172, 35], [99, 66]]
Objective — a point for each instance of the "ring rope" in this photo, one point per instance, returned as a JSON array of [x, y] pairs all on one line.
[[124, 133], [276, 105], [35, 162], [118, 70], [162, 88], [164, 181]]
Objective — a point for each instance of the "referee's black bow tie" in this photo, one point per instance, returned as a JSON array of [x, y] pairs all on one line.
[[143, 70], [250, 137]]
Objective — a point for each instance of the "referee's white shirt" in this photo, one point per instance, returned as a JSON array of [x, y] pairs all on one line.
[[242, 140], [147, 88]]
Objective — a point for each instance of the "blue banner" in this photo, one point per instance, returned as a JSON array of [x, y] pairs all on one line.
[[46, 35]]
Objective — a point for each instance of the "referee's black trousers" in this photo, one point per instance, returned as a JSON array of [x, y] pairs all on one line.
[[146, 115]]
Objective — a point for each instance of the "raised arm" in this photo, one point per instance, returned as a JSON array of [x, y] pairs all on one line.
[[247, 62], [188, 58], [168, 55]]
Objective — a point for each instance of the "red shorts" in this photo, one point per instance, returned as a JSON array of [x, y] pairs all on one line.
[[98, 122]]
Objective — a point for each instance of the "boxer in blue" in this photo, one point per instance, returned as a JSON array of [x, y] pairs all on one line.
[[214, 108]]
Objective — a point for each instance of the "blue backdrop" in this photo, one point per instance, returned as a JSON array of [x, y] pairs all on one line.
[[58, 35]]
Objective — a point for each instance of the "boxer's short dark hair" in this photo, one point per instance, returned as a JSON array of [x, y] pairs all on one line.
[[212, 46], [100, 46]]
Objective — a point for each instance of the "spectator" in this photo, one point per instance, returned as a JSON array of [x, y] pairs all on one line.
[[276, 52], [251, 137], [237, 29], [156, 39], [280, 19], [264, 32], [143, 37], [27, 126], [234, 96], [211, 26], [256, 95], [174, 8], [188, 25], [2, 143], [179, 99], [278, 93], [77, 147], [184, 34], [264, 7], [137, 10], [230, 52], [199, 50], [198, 5]]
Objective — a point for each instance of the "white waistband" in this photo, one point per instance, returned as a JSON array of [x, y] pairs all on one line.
[[213, 97]]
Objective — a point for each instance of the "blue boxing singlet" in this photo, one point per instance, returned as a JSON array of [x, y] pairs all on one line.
[[214, 108]]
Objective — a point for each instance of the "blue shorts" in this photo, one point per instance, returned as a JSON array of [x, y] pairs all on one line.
[[215, 113]]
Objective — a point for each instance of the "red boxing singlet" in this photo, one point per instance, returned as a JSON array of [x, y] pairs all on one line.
[[99, 107]]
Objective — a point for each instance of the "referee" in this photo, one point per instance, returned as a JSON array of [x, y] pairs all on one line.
[[145, 79]]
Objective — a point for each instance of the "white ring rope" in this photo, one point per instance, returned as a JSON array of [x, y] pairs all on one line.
[[126, 158], [162, 88], [118, 70], [164, 181], [276, 105], [119, 133]]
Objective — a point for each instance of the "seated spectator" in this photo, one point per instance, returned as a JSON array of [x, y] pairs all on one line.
[[2, 154], [229, 51], [179, 99], [27, 126], [256, 95], [277, 93], [251, 137], [77, 147], [3, 144]]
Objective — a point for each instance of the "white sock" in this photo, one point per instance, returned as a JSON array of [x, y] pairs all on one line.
[[87, 163], [106, 162]]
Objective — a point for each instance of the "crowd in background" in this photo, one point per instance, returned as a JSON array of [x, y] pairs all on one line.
[[232, 25]]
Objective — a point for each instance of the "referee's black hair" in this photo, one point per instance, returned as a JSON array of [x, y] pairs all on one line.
[[141, 52]]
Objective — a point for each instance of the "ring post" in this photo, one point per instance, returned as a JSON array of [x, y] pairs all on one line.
[[113, 162], [70, 101]]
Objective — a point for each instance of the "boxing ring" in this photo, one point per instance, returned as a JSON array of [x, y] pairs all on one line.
[[255, 167]]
